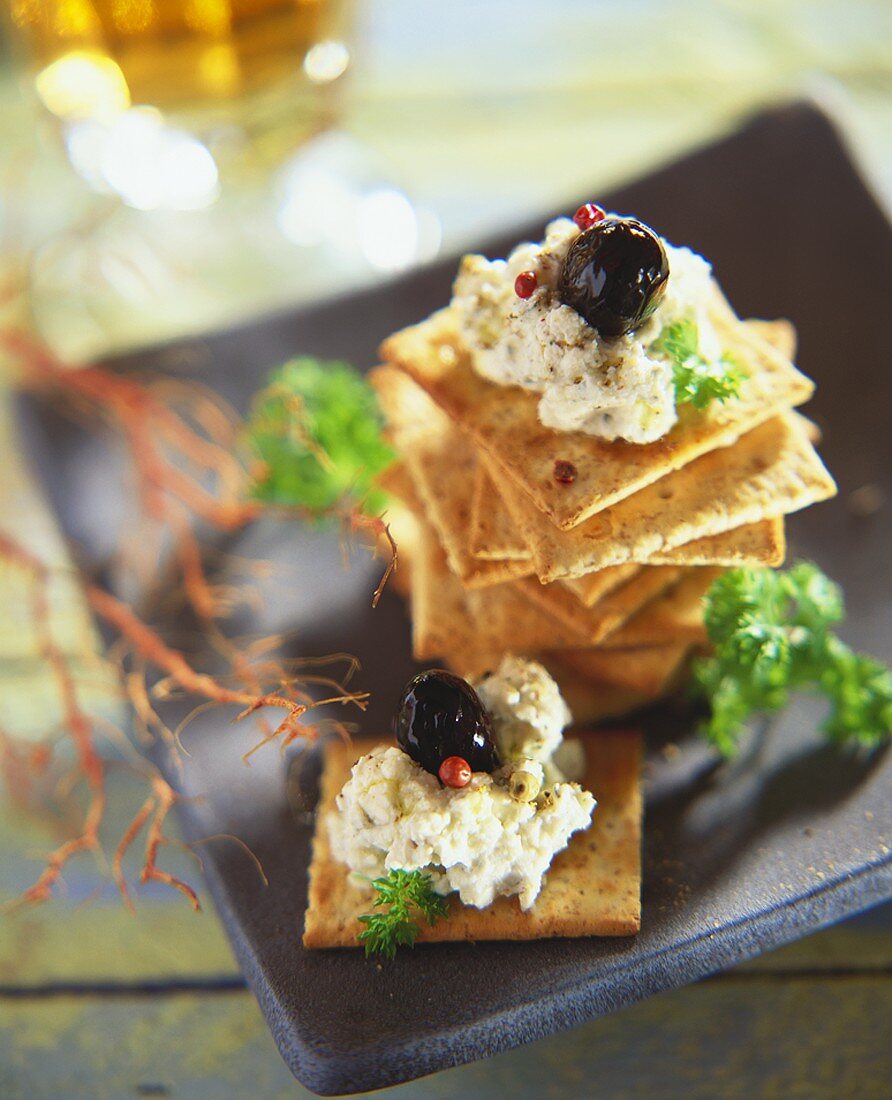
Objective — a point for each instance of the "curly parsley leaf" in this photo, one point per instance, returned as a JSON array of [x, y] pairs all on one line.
[[316, 431], [697, 381], [406, 895], [772, 634]]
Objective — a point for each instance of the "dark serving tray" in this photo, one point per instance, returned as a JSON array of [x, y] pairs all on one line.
[[739, 858]]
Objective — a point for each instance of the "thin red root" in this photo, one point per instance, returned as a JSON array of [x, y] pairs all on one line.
[[241, 844], [156, 652], [359, 521], [166, 450], [151, 872], [130, 834], [77, 723]]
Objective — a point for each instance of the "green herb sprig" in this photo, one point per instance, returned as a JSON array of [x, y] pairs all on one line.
[[697, 381], [315, 432], [406, 896], [772, 634]]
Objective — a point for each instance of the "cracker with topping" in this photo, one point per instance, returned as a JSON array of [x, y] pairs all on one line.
[[504, 422], [593, 888]]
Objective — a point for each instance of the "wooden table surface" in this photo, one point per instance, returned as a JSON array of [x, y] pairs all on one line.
[[154, 1006]]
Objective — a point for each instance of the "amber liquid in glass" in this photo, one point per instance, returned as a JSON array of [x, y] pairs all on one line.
[[181, 54]]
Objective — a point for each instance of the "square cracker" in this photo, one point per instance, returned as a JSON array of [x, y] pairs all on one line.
[[449, 622], [592, 701], [593, 624], [400, 487], [594, 586], [772, 470], [441, 470], [447, 619], [648, 670], [676, 616], [504, 419], [762, 543], [441, 464], [781, 334], [493, 532], [495, 535], [593, 887]]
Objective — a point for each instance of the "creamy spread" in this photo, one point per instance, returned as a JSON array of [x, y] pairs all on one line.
[[498, 835], [528, 713], [616, 388]]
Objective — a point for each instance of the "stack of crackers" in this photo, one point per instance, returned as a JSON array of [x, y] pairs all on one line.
[[592, 556]]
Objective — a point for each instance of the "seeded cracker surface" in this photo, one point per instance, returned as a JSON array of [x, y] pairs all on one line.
[[772, 470], [441, 463], [450, 483]]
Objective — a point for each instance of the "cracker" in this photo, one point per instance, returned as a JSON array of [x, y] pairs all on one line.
[[781, 334], [494, 536], [447, 619], [471, 663], [591, 701], [441, 463], [443, 620], [650, 670], [594, 586], [771, 471], [442, 469], [395, 482], [503, 420], [592, 624], [676, 616], [593, 887], [762, 543], [493, 533]]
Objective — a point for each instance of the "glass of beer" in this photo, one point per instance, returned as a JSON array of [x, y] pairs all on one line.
[[230, 110], [257, 76]]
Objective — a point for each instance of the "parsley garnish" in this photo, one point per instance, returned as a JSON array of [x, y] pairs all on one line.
[[406, 894], [697, 381], [316, 430], [772, 635]]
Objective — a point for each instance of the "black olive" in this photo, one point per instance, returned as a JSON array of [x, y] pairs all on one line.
[[441, 715], [614, 275]]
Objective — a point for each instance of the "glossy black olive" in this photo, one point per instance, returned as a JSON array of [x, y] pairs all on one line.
[[614, 275], [441, 715]]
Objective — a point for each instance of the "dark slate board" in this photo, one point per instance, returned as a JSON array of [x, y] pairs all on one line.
[[738, 858]]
